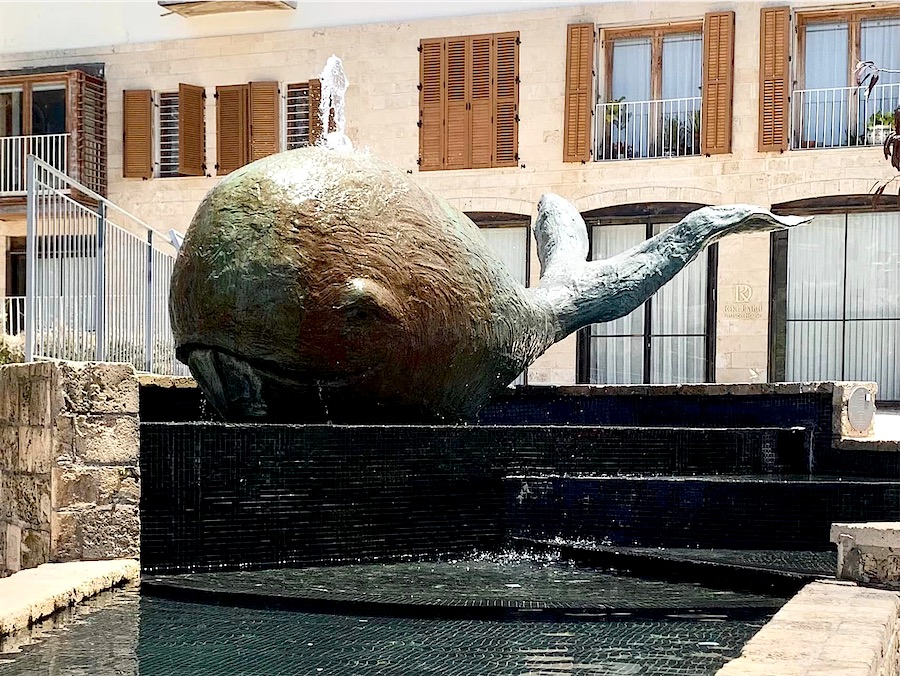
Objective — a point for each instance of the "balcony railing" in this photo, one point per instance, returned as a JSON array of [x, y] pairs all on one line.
[[14, 315], [51, 148], [645, 129], [842, 117]]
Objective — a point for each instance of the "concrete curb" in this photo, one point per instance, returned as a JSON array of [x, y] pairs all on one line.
[[31, 595], [828, 628]]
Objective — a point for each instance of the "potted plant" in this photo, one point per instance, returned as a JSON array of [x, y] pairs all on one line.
[[878, 126]]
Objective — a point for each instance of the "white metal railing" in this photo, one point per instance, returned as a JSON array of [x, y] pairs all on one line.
[[51, 148], [14, 315], [97, 278], [644, 129], [839, 117]]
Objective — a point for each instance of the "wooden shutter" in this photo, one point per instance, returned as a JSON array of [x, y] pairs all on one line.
[[718, 82], [456, 110], [579, 92], [774, 78], [264, 119], [191, 130], [137, 139], [431, 105], [506, 100], [90, 122], [231, 128], [481, 103], [315, 121]]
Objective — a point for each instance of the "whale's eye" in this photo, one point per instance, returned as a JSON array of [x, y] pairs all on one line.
[[365, 302]]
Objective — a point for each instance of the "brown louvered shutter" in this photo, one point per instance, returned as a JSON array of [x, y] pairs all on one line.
[[191, 130], [579, 92], [264, 119], [431, 105], [506, 100], [231, 128], [456, 111], [774, 78], [481, 104], [90, 123], [137, 139], [315, 121], [718, 82]]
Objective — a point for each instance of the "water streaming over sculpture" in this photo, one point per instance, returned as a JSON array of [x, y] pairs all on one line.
[[322, 276]]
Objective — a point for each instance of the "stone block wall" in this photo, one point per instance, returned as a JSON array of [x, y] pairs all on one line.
[[69, 477]]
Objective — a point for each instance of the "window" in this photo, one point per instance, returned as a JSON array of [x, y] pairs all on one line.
[[297, 112], [837, 307], [829, 110], [168, 134], [509, 237], [303, 122], [468, 102], [179, 148], [668, 90], [666, 340]]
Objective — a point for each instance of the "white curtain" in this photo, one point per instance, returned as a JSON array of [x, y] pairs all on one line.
[[511, 245], [873, 301], [681, 65], [826, 111], [631, 81], [880, 43], [815, 273], [679, 308], [617, 347], [839, 330]]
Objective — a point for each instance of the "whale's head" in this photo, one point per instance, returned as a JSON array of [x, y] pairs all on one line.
[[332, 276]]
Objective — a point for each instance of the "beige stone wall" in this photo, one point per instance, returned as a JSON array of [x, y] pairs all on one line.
[[69, 474], [382, 63]]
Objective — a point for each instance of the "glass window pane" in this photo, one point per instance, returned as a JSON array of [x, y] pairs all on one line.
[[48, 110], [10, 112], [880, 45], [815, 269], [873, 266], [617, 361], [631, 69], [827, 55], [873, 354], [681, 65], [511, 246], [813, 351], [608, 241], [680, 359], [679, 307]]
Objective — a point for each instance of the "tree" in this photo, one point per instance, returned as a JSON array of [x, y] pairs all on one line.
[[868, 74]]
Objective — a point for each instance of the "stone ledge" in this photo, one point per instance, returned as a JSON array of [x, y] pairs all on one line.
[[868, 552], [33, 594], [828, 628]]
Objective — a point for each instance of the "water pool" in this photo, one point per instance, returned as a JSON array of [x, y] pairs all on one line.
[[593, 631]]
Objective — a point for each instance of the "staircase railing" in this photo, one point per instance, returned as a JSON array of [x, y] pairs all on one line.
[[97, 278]]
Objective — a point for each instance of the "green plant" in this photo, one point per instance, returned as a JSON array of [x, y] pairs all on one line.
[[615, 114], [881, 118]]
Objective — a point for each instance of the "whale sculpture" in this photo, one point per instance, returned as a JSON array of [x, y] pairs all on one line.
[[316, 284]]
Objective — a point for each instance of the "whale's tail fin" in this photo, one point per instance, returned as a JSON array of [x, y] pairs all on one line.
[[560, 233], [579, 293]]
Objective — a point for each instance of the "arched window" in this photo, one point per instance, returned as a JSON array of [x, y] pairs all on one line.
[[509, 235], [836, 300], [671, 337]]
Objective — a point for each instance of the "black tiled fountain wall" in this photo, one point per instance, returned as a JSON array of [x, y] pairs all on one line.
[[725, 472]]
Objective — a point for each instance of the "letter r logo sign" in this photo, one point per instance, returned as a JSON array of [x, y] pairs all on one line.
[[743, 292]]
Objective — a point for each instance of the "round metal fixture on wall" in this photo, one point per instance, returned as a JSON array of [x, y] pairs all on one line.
[[861, 409]]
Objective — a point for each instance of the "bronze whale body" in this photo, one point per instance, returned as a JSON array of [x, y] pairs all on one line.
[[324, 285]]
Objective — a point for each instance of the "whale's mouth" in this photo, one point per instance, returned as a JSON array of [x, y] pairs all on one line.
[[257, 390]]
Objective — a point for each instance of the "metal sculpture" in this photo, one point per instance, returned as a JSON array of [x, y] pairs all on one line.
[[317, 284]]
